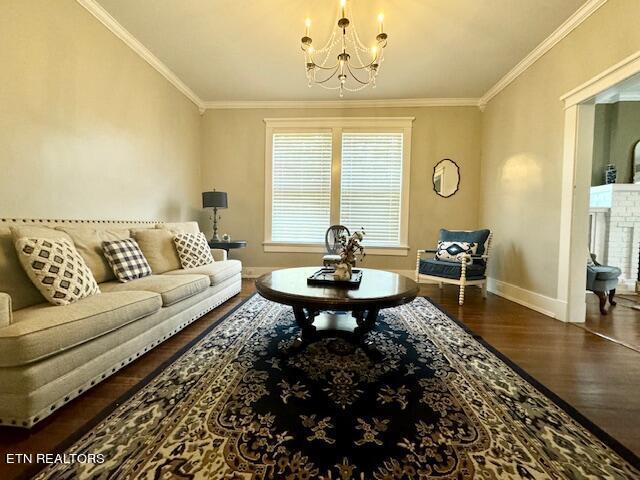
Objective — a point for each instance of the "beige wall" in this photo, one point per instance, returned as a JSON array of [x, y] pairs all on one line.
[[617, 130], [522, 145], [234, 157], [87, 128]]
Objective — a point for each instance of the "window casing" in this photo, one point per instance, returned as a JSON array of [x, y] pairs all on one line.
[[360, 178]]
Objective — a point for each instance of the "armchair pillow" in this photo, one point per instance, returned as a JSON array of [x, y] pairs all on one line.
[[126, 259], [193, 249], [454, 251], [472, 236], [56, 268]]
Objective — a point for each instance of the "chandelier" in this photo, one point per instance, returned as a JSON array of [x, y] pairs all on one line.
[[356, 65]]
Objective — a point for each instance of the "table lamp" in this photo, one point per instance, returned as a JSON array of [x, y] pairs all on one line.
[[216, 200]]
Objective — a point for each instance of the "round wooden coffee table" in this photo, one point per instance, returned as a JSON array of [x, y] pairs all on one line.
[[336, 311]]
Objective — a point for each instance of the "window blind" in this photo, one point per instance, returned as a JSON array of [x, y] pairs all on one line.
[[371, 185], [301, 187]]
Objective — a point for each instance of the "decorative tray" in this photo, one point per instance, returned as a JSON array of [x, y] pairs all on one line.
[[324, 277]]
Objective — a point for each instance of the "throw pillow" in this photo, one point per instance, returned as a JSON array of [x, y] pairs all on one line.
[[193, 249], [88, 241], [158, 248], [454, 251], [5, 309], [56, 268], [126, 259]]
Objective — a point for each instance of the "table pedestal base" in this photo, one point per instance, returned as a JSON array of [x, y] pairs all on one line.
[[353, 326]]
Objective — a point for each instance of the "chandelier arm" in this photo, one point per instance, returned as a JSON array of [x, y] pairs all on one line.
[[326, 68], [369, 65], [356, 78], [320, 82]]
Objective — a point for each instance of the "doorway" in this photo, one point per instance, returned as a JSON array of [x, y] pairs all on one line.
[[577, 230]]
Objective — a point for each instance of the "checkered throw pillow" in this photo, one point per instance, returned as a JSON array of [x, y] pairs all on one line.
[[126, 259], [56, 269], [193, 249]]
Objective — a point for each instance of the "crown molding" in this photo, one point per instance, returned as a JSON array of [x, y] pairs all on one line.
[[134, 44], [404, 102], [579, 16]]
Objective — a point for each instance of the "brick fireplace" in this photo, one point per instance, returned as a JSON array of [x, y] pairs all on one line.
[[614, 229]]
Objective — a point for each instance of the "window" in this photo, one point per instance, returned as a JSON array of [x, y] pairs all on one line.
[[324, 171], [371, 185], [301, 200]]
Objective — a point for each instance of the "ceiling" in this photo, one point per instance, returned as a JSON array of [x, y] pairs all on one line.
[[248, 50], [625, 91]]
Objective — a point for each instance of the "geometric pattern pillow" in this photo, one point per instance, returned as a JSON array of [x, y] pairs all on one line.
[[126, 259], [56, 269], [454, 251], [193, 249]]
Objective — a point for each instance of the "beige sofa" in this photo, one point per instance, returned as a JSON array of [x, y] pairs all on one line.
[[51, 354]]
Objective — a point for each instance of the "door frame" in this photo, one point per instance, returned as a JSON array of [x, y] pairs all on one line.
[[579, 112]]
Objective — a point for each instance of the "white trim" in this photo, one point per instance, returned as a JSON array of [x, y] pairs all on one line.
[[340, 122], [383, 103], [134, 44], [399, 251], [607, 79], [548, 306], [579, 16]]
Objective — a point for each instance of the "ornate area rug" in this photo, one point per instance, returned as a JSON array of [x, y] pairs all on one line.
[[439, 404]]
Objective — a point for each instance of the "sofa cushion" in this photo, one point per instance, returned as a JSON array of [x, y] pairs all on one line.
[[472, 236], [13, 279], [439, 268], [193, 249], [180, 227], [43, 330], [88, 241], [5, 309], [126, 259], [217, 271], [172, 288], [56, 269], [158, 248]]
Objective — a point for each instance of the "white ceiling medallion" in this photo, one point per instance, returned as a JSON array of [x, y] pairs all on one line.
[[344, 63]]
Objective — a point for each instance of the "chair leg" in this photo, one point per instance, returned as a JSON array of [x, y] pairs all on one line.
[[461, 296], [602, 296], [484, 289], [441, 285], [611, 295]]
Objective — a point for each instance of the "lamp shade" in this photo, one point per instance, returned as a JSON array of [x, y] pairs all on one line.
[[214, 199]]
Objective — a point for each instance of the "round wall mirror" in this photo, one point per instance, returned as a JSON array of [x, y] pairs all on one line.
[[446, 178]]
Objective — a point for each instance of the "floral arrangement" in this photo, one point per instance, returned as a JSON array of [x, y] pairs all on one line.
[[351, 249]]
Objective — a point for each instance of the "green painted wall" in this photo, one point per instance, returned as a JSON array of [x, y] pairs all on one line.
[[617, 130]]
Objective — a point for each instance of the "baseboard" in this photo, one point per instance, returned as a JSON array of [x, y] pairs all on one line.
[[548, 306]]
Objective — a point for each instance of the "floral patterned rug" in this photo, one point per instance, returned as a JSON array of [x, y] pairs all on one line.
[[439, 403]]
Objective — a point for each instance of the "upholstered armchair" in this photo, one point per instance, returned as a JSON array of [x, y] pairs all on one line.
[[460, 259], [602, 280]]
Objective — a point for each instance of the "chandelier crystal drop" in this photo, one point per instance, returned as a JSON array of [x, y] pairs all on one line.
[[356, 65]]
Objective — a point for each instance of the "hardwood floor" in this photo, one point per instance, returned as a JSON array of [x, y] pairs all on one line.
[[621, 324], [598, 377]]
